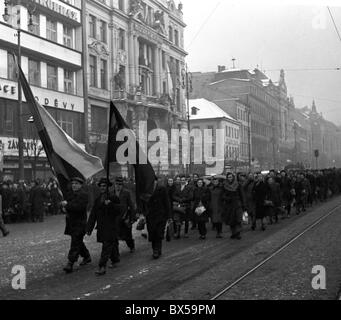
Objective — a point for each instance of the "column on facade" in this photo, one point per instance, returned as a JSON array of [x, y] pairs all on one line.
[[136, 54], [132, 65], [157, 71]]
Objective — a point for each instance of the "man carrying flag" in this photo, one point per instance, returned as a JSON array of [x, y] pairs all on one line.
[[151, 198], [70, 163]]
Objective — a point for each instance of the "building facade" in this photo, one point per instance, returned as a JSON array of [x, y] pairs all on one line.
[[206, 115], [136, 57], [51, 47]]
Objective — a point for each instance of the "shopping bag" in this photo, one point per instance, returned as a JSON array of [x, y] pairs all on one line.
[[245, 218], [141, 223]]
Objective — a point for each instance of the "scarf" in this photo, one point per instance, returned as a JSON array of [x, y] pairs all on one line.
[[232, 186]]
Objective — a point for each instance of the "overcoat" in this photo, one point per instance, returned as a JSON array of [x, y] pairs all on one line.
[[158, 211], [128, 213], [261, 193], [76, 213], [217, 206], [201, 195], [106, 218], [234, 203]]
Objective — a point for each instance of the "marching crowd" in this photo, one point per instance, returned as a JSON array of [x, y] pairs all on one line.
[[176, 205]]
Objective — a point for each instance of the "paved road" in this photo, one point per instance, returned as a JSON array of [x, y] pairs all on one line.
[[189, 269]]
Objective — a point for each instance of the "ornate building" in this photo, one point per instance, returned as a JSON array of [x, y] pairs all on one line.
[[136, 58]]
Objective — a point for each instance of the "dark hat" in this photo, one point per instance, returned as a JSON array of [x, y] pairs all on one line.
[[119, 180], [77, 179], [104, 181]]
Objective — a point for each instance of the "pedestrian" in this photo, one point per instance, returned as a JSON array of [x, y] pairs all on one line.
[[38, 197], [105, 213], [249, 199], [157, 213], [201, 204], [183, 197], [260, 195], [274, 198], [217, 206], [128, 217], [75, 206], [3, 228], [234, 203]]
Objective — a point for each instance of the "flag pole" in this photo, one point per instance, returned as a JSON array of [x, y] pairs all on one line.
[[107, 164]]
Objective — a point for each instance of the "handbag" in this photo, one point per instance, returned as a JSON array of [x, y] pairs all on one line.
[[177, 207], [200, 210], [141, 223], [169, 231], [245, 218]]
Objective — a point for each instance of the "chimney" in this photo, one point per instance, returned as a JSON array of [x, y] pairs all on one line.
[[221, 68]]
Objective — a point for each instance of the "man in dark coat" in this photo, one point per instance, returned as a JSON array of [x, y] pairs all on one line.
[[3, 228], [38, 197], [105, 212], [128, 216], [157, 213], [75, 206]]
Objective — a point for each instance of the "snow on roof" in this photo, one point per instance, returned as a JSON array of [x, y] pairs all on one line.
[[207, 110]]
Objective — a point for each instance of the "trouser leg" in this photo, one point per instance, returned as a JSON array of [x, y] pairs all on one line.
[[115, 253], [77, 248], [129, 240], [2, 226], [219, 227], [202, 228], [107, 249]]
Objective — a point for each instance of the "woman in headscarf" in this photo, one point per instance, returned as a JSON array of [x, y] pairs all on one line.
[[234, 201]]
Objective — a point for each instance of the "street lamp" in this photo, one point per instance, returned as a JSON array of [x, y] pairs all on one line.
[[6, 16]]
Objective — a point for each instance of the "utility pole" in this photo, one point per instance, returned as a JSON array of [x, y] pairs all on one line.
[[249, 130], [19, 119], [188, 86], [295, 148]]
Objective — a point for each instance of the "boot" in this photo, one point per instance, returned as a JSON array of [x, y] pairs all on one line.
[[69, 267], [85, 261], [156, 254], [101, 271]]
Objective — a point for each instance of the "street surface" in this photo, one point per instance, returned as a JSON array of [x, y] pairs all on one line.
[[189, 268]]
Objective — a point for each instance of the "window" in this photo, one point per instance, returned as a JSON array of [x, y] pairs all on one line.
[[103, 31], [99, 119], [66, 123], [92, 26], [7, 118], [163, 60], [68, 36], [11, 69], [68, 81], [121, 39], [170, 34], [93, 71], [51, 30], [104, 73], [52, 78], [34, 72], [121, 5], [35, 27], [176, 37]]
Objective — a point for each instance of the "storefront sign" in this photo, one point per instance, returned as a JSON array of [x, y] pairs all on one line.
[[60, 8], [8, 90], [1, 158], [32, 148]]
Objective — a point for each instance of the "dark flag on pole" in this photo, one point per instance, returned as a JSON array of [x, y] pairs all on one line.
[[67, 159], [144, 172]]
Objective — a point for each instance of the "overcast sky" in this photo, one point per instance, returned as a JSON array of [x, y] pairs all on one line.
[[271, 36]]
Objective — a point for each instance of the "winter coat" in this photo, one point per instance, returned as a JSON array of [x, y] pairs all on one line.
[[76, 213], [261, 193], [158, 211], [217, 204], [106, 217], [201, 195], [234, 203], [38, 197]]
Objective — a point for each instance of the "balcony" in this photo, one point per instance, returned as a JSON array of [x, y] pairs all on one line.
[[41, 46]]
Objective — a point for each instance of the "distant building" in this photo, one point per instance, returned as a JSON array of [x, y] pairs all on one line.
[[206, 115]]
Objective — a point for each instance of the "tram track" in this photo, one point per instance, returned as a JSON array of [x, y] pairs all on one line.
[[275, 253]]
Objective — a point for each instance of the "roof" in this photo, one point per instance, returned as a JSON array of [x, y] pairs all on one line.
[[207, 110]]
